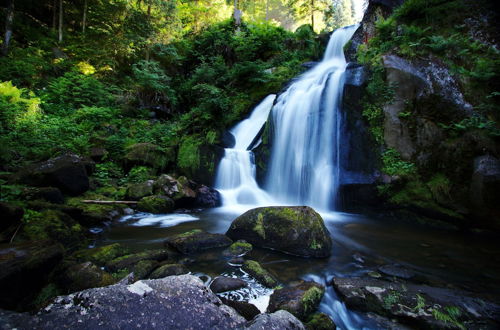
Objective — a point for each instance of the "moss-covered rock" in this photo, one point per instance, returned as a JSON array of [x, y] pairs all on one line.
[[169, 270], [197, 240], [85, 276], [297, 230], [90, 214], [301, 299], [143, 268], [128, 262], [156, 204], [101, 255], [237, 249], [147, 154], [320, 321], [260, 274], [136, 191]]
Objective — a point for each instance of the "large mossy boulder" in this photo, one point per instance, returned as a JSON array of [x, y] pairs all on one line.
[[168, 270], [301, 299], [101, 255], [297, 230], [68, 172], [146, 154], [197, 240], [156, 204], [85, 276], [24, 269], [136, 191], [128, 262]]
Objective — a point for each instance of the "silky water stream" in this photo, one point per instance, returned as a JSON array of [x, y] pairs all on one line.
[[304, 170]]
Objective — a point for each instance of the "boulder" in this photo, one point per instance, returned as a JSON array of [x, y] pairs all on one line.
[[146, 154], [136, 191], [301, 299], [247, 310], [224, 283], [227, 139], [129, 261], [68, 172], [144, 268], [175, 302], [417, 305], [24, 269], [84, 276], [485, 183], [169, 270], [197, 240], [281, 320], [320, 321], [101, 255], [181, 190], [296, 230], [260, 274], [49, 194], [207, 197], [156, 204], [238, 249], [11, 215]]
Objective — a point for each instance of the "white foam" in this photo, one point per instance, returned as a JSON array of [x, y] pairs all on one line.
[[261, 302], [163, 221]]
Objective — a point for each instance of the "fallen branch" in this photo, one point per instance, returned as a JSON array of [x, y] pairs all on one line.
[[108, 202]]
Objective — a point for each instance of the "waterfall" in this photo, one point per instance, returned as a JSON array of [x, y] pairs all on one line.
[[304, 164], [304, 168]]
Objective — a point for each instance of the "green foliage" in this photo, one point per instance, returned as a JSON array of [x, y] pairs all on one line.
[[105, 172], [188, 157], [449, 314], [394, 165], [391, 299], [473, 123], [139, 174]]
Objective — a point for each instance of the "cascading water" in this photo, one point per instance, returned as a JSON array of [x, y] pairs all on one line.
[[304, 166], [236, 174]]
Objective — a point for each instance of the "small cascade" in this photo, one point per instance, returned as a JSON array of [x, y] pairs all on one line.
[[236, 173]]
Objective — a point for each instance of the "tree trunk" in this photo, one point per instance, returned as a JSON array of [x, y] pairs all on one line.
[[8, 27], [54, 14], [267, 10], [312, 14], [237, 14], [84, 20], [60, 37]]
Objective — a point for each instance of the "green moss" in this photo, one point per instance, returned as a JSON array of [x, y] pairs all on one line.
[[120, 274], [48, 292], [156, 204], [320, 321], [240, 247], [259, 226], [101, 255], [190, 233], [311, 299], [260, 274], [188, 158]]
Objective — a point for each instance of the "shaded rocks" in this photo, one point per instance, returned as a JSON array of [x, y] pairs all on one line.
[[101, 255], [260, 274], [11, 215], [68, 172], [320, 321], [146, 154], [24, 268], [224, 283], [207, 197], [156, 204], [137, 191], [281, 320], [144, 268], [197, 240], [485, 184], [419, 305], [247, 310], [169, 270], [84, 276], [175, 302], [49, 194], [301, 299], [296, 230], [129, 261]]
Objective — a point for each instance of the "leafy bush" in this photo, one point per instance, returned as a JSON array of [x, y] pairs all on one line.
[[394, 165]]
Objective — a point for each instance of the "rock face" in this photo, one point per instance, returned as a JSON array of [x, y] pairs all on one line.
[[224, 283], [175, 302], [24, 268], [67, 172], [301, 299], [297, 230], [419, 305], [197, 240]]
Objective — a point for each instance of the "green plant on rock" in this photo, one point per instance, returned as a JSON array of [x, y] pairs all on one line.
[[395, 166], [449, 314], [391, 299]]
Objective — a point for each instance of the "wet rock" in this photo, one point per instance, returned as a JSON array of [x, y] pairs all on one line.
[[85, 276], [227, 139], [169, 270], [156, 204], [144, 268], [224, 283], [49, 194], [301, 299], [237, 262], [175, 302], [129, 261], [260, 274], [247, 310], [11, 215], [146, 154], [137, 191], [281, 320], [485, 185], [320, 321], [238, 249], [397, 271], [67, 172], [417, 305], [207, 197], [197, 240], [101, 255], [24, 269], [297, 230], [181, 190]]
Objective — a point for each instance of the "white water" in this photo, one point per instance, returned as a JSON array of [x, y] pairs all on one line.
[[304, 165]]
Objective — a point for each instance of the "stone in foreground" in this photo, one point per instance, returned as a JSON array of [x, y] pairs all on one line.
[[280, 320], [224, 283], [297, 230]]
